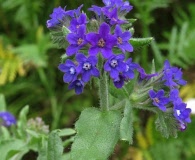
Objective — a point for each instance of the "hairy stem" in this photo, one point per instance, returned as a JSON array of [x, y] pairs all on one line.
[[103, 86]]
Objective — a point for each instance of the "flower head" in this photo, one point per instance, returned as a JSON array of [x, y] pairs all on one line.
[[87, 67], [77, 85], [69, 68], [56, 17], [101, 42], [182, 113], [172, 76], [159, 99], [130, 67], [115, 65], [7, 119], [119, 81], [144, 75], [123, 39], [77, 22], [113, 16], [76, 40]]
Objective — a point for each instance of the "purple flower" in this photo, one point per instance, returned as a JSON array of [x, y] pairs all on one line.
[[115, 65], [130, 67], [126, 7], [174, 96], [123, 6], [77, 22], [119, 81], [87, 67], [76, 40], [172, 75], [123, 39], [56, 17], [77, 85], [143, 74], [7, 119], [113, 16], [77, 11], [182, 126], [182, 113], [102, 41], [69, 68], [96, 9], [159, 99]]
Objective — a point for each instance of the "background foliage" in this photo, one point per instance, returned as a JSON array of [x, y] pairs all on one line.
[[29, 74]]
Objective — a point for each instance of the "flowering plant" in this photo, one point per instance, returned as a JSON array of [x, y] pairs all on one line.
[[99, 49]]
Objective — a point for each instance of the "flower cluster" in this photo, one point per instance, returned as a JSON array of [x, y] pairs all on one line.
[[7, 119], [85, 43], [102, 44], [170, 78]]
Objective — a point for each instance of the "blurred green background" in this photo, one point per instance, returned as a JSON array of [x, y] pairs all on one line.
[[29, 74]]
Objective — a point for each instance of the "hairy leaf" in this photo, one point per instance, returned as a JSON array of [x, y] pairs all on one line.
[[97, 134], [139, 42], [126, 126], [55, 148], [166, 124]]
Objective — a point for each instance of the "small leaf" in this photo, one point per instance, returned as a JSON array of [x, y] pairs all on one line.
[[66, 132], [166, 124], [97, 134], [22, 121], [139, 42], [5, 135], [126, 126], [2, 103], [55, 148], [42, 150]]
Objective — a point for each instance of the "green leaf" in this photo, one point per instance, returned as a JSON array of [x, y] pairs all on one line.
[[4, 133], [10, 145], [66, 132], [22, 121], [55, 148], [97, 134], [126, 126], [42, 151], [166, 124], [139, 42], [2, 103]]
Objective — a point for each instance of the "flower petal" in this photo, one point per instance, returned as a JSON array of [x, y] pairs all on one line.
[[93, 51]]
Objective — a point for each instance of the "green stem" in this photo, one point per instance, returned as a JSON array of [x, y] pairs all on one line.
[[55, 113], [103, 86]]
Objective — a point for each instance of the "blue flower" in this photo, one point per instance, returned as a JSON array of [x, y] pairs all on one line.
[[76, 40], [113, 16], [119, 4], [69, 68], [143, 74], [101, 42], [181, 113], [119, 81], [77, 22], [7, 119], [56, 17], [159, 99], [115, 65], [77, 85], [87, 67], [96, 9], [123, 39], [172, 76], [130, 67], [174, 96]]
